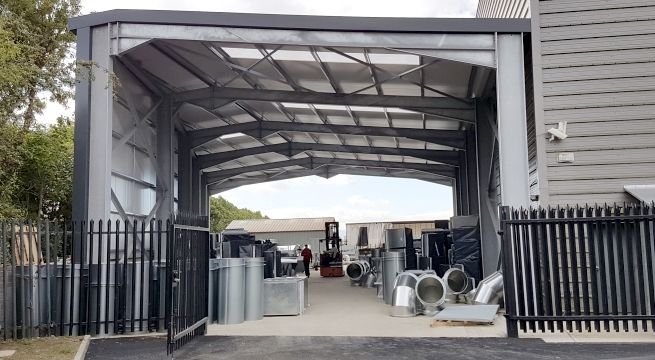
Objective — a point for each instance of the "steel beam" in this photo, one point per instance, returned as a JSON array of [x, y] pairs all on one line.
[[291, 149], [512, 127], [313, 162], [489, 223], [82, 129], [261, 129], [416, 102], [164, 160], [185, 170], [327, 172], [101, 114]]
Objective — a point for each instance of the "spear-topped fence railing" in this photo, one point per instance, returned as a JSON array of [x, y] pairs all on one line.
[[585, 269]]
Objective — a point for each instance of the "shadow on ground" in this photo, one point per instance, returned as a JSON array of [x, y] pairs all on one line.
[[290, 348]]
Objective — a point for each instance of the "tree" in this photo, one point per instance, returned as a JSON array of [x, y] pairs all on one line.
[[36, 57], [222, 212], [11, 160], [47, 171]]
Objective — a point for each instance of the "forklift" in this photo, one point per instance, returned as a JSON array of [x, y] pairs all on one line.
[[331, 260]]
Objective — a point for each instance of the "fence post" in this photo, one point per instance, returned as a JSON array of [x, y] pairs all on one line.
[[508, 272]]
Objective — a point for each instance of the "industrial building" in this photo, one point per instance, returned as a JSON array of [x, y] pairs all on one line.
[[298, 231], [375, 230], [592, 67], [513, 113]]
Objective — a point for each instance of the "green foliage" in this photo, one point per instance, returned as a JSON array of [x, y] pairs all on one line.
[[222, 212], [47, 171], [36, 170], [36, 62], [11, 142]]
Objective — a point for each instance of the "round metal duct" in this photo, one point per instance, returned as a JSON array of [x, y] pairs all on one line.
[[456, 280], [254, 305], [231, 290], [357, 269], [392, 264], [430, 290]]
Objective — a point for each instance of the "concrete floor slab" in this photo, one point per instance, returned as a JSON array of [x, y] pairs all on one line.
[[338, 309]]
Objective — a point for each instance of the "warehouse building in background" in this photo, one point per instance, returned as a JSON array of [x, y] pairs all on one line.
[[286, 231], [593, 75], [375, 230]]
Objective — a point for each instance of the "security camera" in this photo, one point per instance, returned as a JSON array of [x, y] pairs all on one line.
[[559, 132]]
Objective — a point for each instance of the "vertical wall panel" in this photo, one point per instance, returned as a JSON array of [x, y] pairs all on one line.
[[595, 71]]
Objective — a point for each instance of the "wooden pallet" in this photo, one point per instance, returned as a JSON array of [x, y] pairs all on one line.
[[450, 323], [26, 250]]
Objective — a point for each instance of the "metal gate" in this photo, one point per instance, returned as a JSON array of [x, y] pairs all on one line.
[[585, 269], [187, 280]]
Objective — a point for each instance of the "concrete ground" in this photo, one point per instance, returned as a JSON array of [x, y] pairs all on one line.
[[330, 348], [345, 322], [338, 309]]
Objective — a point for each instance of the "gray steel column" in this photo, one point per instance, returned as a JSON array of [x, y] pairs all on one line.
[[195, 185], [512, 127], [100, 126], [472, 172], [165, 153], [82, 129], [486, 138], [184, 164], [204, 196], [462, 187], [457, 203]]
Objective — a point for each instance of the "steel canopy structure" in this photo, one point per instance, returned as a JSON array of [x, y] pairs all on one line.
[[181, 105]]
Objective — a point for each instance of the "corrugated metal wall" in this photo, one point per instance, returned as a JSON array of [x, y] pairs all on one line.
[[596, 64], [134, 177], [503, 9]]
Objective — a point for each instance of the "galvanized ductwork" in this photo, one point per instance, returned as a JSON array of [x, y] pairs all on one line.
[[254, 305], [403, 300], [393, 264], [456, 281], [357, 270], [430, 292], [231, 290], [490, 289]]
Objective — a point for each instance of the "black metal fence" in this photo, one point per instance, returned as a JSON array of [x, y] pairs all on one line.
[[188, 290], [83, 277], [585, 269]]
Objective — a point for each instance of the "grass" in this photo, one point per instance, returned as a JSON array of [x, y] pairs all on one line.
[[46, 348]]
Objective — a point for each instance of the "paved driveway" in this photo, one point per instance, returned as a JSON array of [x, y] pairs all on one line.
[[345, 348]]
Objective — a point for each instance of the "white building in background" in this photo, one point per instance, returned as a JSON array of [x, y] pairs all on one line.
[[286, 231], [375, 231]]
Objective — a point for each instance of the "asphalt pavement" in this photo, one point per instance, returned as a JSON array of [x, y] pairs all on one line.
[[362, 348]]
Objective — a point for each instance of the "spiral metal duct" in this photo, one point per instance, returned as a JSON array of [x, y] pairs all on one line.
[[393, 263], [490, 289], [357, 270], [430, 292], [456, 281]]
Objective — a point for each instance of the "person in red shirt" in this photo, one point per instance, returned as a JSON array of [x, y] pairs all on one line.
[[307, 257]]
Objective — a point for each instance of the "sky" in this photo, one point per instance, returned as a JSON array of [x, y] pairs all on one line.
[[348, 198]]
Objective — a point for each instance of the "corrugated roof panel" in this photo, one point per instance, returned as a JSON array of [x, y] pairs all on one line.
[[280, 225]]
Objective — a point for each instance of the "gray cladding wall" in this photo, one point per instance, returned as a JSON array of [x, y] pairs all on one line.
[[594, 64]]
